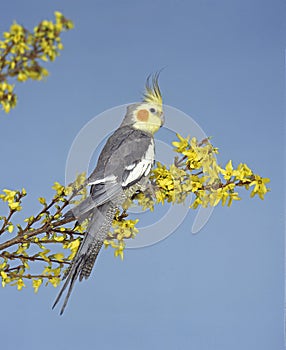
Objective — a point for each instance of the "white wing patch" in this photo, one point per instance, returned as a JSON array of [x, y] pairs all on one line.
[[142, 168], [130, 167], [110, 178]]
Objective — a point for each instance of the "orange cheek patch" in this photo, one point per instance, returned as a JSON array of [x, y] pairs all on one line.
[[143, 115]]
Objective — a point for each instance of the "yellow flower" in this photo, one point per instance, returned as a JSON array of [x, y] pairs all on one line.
[[181, 145], [22, 76], [9, 197], [119, 251], [195, 183], [145, 202], [15, 206], [36, 284], [243, 172], [42, 200], [160, 196], [6, 107], [58, 188], [73, 246], [259, 186], [30, 219], [20, 284], [68, 190], [57, 271], [43, 255], [106, 243], [59, 238], [4, 277], [165, 181], [198, 201], [4, 274], [221, 194], [58, 15], [58, 256], [55, 281], [228, 172], [47, 270], [80, 180], [125, 229], [233, 196], [193, 158], [16, 28]]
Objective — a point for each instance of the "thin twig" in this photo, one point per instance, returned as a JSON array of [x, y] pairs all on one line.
[[32, 258]]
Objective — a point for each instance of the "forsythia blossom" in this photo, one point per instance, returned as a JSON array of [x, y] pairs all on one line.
[[22, 53], [197, 172]]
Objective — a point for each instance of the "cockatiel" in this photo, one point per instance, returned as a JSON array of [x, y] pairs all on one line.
[[122, 169]]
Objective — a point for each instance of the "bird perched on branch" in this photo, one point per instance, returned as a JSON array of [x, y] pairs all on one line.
[[122, 169]]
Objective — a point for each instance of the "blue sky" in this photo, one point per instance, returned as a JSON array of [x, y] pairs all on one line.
[[220, 289]]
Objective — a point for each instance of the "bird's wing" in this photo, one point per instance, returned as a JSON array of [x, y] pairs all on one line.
[[139, 168], [127, 156]]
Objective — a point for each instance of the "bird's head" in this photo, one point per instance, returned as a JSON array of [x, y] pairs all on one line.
[[147, 115]]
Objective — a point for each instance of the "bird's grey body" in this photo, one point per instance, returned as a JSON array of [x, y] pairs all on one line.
[[116, 177], [122, 169]]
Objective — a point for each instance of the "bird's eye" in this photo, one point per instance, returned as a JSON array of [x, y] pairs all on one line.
[[152, 110]]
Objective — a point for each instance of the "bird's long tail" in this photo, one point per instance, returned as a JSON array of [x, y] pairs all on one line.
[[82, 264]]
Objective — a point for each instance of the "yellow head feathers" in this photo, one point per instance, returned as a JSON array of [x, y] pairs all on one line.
[[152, 91], [148, 115]]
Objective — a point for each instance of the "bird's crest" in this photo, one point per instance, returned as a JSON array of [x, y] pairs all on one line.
[[152, 91]]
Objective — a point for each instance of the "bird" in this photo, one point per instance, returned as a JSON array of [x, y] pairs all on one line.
[[122, 170]]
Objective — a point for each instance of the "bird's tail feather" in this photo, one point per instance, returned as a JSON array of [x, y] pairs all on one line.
[[71, 278], [82, 264], [90, 260]]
